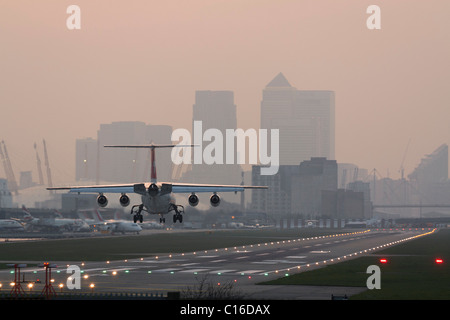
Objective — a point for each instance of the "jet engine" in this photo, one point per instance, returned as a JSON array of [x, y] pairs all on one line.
[[102, 200], [193, 200], [124, 200], [214, 200], [153, 189]]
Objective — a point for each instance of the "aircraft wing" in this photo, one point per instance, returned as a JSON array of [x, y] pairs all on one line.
[[191, 187], [113, 188], [166, 187]]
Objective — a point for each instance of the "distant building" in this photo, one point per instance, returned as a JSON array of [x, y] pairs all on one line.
[[316, 175], [427, 184], [348, 172], [430, 178], [276, 201], [6, 200], [305, 119], [295, 189], [433, 168], [342, 204], [215, 110], [26, 180], [95, 162], [364, 187]]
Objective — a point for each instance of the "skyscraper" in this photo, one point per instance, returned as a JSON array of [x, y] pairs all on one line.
[[305, 119], [215, 110]]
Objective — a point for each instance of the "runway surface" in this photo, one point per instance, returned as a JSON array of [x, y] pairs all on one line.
[[242, 267]]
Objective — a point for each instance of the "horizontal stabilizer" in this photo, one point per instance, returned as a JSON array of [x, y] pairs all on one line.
[[151, 146]]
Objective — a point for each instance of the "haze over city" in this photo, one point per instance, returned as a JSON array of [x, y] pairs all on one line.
[[339, 108], [144, 60]]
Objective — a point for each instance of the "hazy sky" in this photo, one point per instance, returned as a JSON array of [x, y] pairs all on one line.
[[140, 60]]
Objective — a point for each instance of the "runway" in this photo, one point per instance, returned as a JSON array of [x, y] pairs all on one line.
[[242, 266]]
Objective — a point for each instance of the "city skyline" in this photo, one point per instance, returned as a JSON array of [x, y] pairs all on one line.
[[146, 63], [247, 166]]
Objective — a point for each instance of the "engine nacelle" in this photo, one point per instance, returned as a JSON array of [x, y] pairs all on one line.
[[102, 201], [153, 189], [124, 200], [193, 200], [214, 200]]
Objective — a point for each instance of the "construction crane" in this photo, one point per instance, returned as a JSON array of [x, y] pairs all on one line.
[[402, 169], [12, 184], [47, 164], [39, 168]]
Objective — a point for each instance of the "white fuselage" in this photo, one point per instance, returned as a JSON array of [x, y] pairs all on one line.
[[59, 223], [158, 204], [10, 225], [127, 227]]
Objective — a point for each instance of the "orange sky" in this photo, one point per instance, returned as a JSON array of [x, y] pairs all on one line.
[[143, 60]]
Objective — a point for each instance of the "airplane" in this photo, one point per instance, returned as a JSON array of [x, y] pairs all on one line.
[[10, 225], [117, 225], [52, 224], [78, 225], [92, 223], [157, 197]]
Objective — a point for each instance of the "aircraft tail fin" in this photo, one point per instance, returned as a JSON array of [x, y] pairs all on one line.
[[152, 148], [27, 214]]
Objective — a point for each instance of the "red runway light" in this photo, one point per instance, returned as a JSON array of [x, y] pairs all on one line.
[[383, 260], [439, 261]]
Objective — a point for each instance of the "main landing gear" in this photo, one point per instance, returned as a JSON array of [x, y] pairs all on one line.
[[138, 213], [179, 210]]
